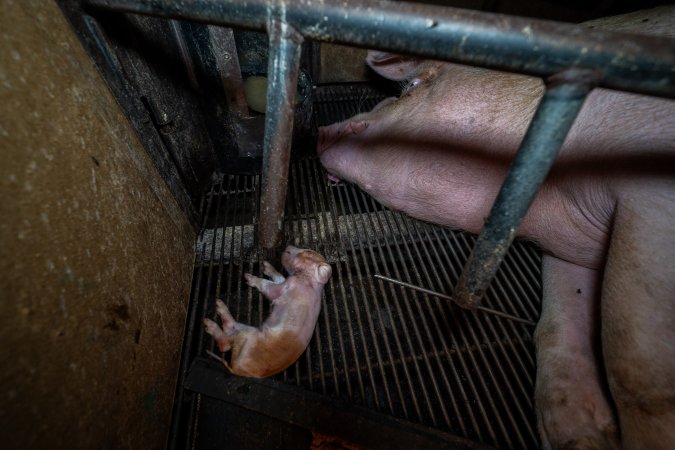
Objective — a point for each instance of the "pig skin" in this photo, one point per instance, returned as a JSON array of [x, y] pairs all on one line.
[[606, 338], [285, 334]]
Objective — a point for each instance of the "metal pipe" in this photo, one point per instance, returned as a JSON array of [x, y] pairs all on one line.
[[227, 62], [447, 297], [564, 96], [536, 47], [282, 72]]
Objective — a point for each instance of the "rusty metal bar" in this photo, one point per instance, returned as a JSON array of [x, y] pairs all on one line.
[[498, 329], [475, 326], [536, 47], [565, 94], [227, 62], [282, 71]]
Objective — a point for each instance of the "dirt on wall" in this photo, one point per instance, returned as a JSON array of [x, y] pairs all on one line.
[[95, 255]]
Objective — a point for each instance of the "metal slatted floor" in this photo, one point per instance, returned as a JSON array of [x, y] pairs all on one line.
[[378, 345]]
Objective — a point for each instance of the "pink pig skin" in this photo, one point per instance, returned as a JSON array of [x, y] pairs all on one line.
[[285, 334]]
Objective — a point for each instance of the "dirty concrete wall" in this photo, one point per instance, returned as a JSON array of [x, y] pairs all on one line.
[[95, 255]]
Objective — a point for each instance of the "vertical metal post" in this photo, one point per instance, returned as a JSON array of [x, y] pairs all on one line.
[[227, 62], [282, 72], [564, 96]]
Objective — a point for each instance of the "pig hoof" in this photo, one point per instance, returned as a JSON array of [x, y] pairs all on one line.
[[211, 327], [567, 420], [268, 269]]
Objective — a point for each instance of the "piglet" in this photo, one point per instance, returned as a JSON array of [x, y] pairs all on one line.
[[284, 336]]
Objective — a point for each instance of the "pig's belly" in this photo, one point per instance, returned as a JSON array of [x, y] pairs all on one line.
[[456, 188], [266, 354]]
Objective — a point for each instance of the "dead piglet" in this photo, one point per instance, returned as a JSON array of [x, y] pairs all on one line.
[[285, 334]]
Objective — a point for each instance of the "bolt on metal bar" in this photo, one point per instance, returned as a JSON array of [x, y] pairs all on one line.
[[535, 47], [447, 297], [282, 71], [564, 97]]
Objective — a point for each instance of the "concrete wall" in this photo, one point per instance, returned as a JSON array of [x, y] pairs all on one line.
[[95, 255]]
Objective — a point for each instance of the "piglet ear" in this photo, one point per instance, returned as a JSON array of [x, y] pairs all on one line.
[[393, 66], [323, 273]]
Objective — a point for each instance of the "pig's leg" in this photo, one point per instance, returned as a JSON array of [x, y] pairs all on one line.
[[229, 324], [270, 290], [222, 335], [638, 319], [219, 336], [270, 271], [572, 407]]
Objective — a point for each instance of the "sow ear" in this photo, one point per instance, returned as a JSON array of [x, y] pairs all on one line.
[[323, 273], [393, 66]]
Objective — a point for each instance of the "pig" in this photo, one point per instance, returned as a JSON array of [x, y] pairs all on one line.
[[605, 341], [285, 334]]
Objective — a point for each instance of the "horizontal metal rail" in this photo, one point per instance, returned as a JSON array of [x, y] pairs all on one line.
[[643, 64]]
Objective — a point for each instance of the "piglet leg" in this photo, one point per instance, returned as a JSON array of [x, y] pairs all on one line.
[[571, 400], [270, 290], [271, 272], [222, 335]]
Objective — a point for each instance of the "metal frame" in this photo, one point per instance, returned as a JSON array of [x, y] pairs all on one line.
[[297, 406], [581, 57]]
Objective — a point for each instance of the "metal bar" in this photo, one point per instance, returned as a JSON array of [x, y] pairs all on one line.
[[314, 412], [564, 96], [283, 69], [223, 225], [355, 284], [313, 194], [308, 242], [468, 328], [418, 308], [350, 212], [208, 299], [439, 263], [536, 47], [452, 241], [447, 297], [325, 206], [227, 62], [443, 340], [508, 297], [178, 410], [520, 398], [398, 310]]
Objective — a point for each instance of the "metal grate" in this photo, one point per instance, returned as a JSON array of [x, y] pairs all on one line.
[[378, 345]]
